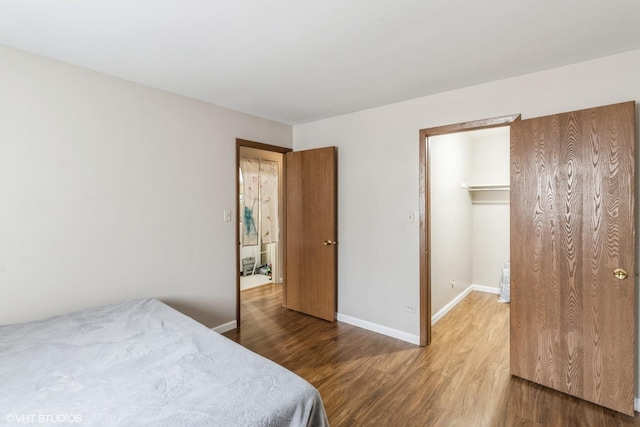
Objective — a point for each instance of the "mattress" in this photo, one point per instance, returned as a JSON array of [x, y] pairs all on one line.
[[142, 363]]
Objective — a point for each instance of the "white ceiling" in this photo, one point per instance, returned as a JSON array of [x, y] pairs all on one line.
[[295, 61]]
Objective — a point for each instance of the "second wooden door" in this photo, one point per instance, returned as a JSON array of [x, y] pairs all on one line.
[[572, 253]]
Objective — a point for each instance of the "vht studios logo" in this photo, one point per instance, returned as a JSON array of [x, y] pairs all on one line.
[[43, 418]]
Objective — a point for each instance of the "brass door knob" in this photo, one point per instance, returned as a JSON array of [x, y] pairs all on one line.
[[329, 242], [620, 274]]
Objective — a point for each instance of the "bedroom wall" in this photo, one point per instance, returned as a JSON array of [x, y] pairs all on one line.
[[110, 190], [378, 172], [451, 217]]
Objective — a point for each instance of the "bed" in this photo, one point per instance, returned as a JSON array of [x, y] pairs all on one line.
[[142, 363]]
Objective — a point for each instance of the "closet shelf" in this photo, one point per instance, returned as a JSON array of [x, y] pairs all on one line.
[[491, 187]]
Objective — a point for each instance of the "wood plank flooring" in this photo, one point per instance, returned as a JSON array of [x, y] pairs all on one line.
[[367, 379]]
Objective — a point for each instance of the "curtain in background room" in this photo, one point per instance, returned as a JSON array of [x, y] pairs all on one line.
[[250, 200], [269, 201]]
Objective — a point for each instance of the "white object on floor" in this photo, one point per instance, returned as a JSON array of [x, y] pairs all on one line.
[[505, 283], [253, 281]]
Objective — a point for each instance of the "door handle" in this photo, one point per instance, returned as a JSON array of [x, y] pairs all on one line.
[[329, 242], [620, 274]]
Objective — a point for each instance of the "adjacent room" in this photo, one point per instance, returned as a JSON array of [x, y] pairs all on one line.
[[319, 213], [260, 181], [469, 214]]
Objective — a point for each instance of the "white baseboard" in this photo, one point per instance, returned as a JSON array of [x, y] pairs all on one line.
[[226, 327], [456, 300], [447, 308], [487, 289], [404, 336], [384, 330], [636, 404]]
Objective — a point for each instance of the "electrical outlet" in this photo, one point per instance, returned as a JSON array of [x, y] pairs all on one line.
[[411, 216], [410, 308], [227, 216], [453, 284]]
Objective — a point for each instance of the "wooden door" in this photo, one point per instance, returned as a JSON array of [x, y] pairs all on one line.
[[311, 232], [572, 226]]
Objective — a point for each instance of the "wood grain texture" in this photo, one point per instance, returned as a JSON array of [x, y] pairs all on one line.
[[311, 212], [367, 379], [572, 224], [425, 241], [472, 125]]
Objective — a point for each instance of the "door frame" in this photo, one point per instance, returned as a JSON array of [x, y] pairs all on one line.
[[283, 215], [425, 209]]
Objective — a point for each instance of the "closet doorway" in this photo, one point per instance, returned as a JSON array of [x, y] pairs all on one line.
[[457, 186], [469, 215], [572, 250], [260, 220]]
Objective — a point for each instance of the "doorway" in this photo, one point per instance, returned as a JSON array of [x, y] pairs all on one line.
[[469, 215], [259, 229], [260, 209], [309, 252], [573, 250], [426, 265]]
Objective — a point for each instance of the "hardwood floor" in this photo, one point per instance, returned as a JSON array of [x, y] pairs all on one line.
[[367, 379]]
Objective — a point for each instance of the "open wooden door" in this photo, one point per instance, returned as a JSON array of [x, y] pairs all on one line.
[[311, 233], [572, 253]]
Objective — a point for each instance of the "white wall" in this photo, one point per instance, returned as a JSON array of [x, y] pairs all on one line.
[[490, 240], [451, 217], [378, 260], [490, 156], [490, 243], [111, 190]]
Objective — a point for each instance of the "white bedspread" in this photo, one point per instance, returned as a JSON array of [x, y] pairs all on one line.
[[142, 363]]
